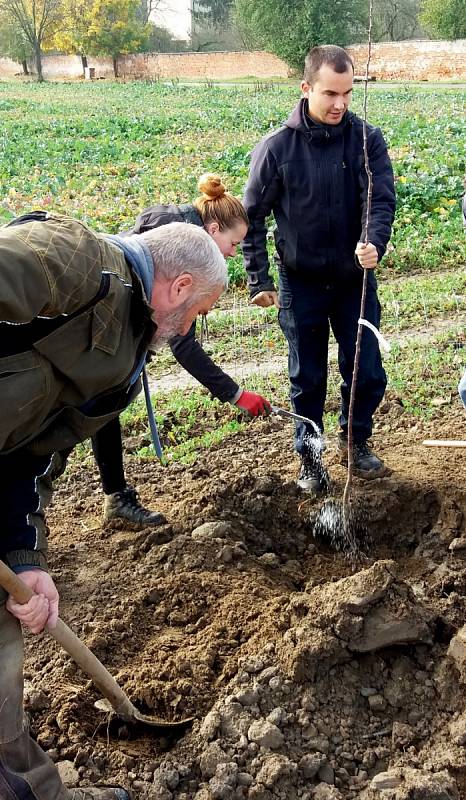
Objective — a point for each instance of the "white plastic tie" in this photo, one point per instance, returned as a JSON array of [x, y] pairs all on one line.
[[381, 339]]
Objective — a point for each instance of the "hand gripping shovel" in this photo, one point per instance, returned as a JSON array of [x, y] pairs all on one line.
[[88, 662]]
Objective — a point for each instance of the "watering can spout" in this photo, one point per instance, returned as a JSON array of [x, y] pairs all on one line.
[[283, 412]]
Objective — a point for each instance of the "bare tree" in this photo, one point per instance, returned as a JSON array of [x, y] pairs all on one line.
[[13, 44], [395, 20], [146, 8], [37, 20]]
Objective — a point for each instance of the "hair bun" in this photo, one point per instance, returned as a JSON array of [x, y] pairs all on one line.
[[211, 186]]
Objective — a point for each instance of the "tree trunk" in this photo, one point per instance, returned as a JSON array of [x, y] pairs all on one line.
[[38, 59], [115, 66], [24, 65], [83, 62]]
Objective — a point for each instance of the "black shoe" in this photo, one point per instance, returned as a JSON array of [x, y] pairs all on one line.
[[313, 477], [366, 464], [126, 505]]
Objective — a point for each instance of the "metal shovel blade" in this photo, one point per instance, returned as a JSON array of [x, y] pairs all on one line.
[[89, 663], [131, 714]]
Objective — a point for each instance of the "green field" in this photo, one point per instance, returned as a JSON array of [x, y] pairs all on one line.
[[102, 151]]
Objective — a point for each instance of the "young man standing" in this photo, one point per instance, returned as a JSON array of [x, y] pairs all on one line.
[[311, 175]]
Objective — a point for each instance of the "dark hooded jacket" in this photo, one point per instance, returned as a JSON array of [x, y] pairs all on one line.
[[186, 349], [158, 215], [312, 178]]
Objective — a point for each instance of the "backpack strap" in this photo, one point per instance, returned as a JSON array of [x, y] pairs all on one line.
[[31, 216], [17, 338]]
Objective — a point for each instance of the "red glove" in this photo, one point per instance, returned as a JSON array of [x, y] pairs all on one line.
[[254, 404]]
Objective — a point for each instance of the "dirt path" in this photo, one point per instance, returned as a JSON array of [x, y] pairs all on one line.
[[309, 676], [178, 378]]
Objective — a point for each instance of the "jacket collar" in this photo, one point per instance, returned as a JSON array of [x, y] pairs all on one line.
[[316, 132], [191, 214], [139, 259]]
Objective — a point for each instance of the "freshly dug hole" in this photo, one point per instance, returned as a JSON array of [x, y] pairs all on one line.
[[387, 513]]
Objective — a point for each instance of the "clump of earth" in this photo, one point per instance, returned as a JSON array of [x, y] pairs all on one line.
[[308, 674]]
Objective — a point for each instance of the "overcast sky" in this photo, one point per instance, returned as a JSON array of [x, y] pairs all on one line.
[[174, 15]]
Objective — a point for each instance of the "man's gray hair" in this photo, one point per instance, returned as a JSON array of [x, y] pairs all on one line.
[[181, 247]]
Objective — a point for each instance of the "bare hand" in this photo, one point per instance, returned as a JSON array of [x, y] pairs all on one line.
[[42, 609], [265, 299], [367, 255]]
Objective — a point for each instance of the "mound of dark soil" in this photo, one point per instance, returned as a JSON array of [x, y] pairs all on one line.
[[308, 675]]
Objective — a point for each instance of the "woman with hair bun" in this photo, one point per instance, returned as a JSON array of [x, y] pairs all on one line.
[[220, 213], [223, 217]]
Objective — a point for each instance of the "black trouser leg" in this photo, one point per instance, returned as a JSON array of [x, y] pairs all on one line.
[[108, 452], [372, 380], [303, 317]]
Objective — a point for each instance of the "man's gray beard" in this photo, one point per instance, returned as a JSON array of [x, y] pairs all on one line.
[[169, 328]]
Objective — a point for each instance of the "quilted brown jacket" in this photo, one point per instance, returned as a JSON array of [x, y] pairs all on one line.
[[74, 321]]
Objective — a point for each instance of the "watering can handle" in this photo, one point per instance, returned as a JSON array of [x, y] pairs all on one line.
[[75, 648]]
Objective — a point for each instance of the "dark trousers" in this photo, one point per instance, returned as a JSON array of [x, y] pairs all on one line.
[[25, 490], [108, 452], [107, 446], [307, 311]]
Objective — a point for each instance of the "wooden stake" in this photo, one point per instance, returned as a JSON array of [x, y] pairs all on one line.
[[444, 442]]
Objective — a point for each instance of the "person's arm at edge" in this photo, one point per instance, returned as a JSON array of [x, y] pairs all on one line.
[[261, 191], [193, 358], [31, 565], [383, 203], [42, 608]]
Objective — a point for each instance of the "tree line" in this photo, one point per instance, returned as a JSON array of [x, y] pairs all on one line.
[[288, 28]]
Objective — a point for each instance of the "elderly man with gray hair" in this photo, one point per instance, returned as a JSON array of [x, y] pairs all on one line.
[[78, 313]]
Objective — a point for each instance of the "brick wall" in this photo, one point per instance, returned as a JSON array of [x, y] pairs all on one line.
[[205, 66], [423, 60], [9, 68], [219, 66], [413, 61], [56, 67]]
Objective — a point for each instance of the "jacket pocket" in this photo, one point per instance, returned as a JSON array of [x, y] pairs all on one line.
[[71, 425], [106, 329], [284, 300], [285, 294], [24, 390], [81, 350]]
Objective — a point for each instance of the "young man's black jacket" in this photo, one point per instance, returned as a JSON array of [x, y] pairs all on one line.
[[186, 349], [312, 177]]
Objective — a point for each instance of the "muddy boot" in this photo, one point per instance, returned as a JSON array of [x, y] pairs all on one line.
[[366, 464], [99, 793], [125, 505], [313, 477]]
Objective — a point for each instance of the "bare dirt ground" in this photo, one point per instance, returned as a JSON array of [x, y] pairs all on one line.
[[308, 676]]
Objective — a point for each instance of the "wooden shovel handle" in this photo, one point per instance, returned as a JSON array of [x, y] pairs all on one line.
[[14, 585], [75, 648]]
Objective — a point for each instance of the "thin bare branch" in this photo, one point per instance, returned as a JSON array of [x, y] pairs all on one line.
[[365, 234]]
